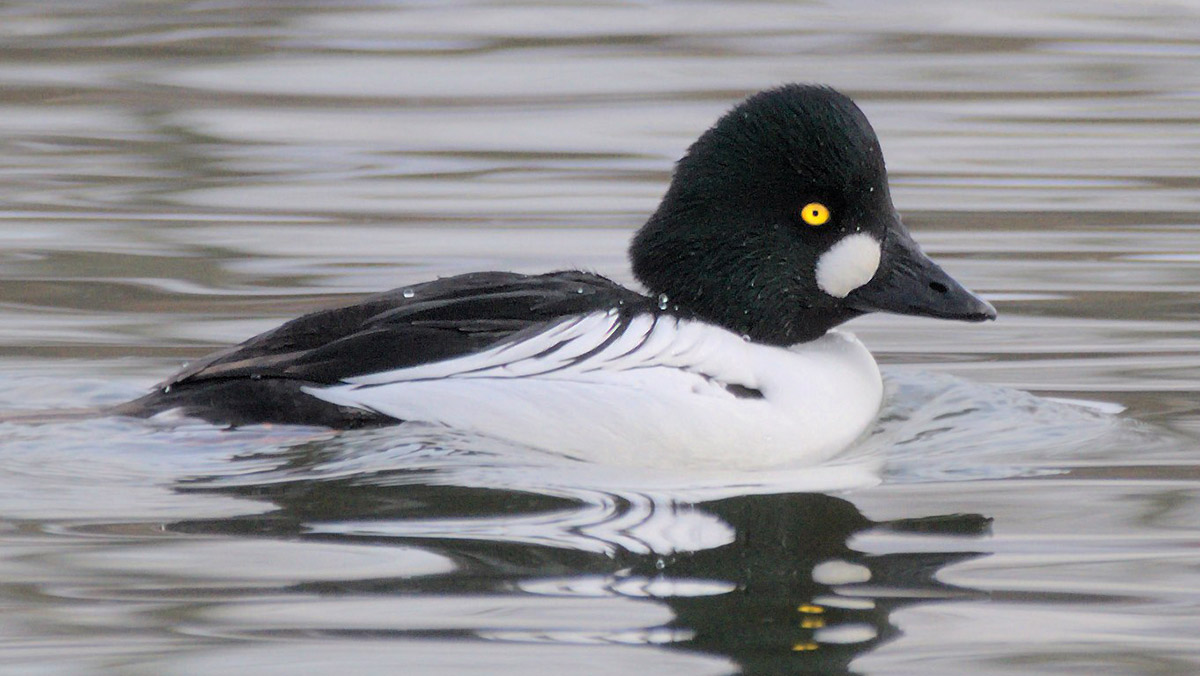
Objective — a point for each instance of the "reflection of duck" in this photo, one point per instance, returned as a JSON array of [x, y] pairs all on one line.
[[805, 601], [784, 594], [777, 227]]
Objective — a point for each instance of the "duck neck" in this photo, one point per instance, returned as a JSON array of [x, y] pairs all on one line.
[[730, 283]]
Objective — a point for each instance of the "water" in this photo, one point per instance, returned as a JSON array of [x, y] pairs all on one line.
[[176, 178]]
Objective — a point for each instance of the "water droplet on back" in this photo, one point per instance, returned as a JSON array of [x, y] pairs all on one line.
[[409, 293], [663, 301]]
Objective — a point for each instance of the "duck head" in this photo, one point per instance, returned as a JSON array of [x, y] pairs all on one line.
[[779, 225]]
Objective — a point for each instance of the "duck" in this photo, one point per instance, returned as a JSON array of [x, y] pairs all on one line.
[[777, 227]]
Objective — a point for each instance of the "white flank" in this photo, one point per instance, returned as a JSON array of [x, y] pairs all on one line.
[[650, 392], [848, 265]]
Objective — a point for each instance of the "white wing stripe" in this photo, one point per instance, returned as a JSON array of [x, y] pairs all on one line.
[[598, 342], [560, 346], [587, 338]]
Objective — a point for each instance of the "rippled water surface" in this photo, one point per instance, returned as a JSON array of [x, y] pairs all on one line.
[[177, 177]]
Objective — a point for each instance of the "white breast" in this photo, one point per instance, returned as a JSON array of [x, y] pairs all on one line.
[[644, 391]]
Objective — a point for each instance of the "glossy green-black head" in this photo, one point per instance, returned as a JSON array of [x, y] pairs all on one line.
[[778, 224]]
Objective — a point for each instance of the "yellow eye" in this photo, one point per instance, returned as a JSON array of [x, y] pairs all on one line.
[[815, 213]]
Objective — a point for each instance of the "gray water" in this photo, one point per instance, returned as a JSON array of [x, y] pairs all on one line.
[[175, 177]]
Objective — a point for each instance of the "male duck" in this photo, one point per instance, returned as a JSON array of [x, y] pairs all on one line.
[[778, 226]]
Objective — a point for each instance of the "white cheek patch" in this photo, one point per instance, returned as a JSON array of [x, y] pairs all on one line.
[[848, 265]]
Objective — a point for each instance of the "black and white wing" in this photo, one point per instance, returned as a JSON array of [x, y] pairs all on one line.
[[262, 379]]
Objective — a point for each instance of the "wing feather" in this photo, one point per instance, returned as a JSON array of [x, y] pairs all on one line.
[[422, 324], [609, 342]]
